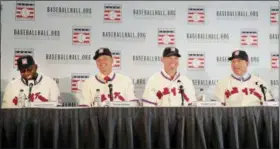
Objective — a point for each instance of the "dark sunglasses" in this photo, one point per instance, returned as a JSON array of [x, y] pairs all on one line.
[[26, 70]]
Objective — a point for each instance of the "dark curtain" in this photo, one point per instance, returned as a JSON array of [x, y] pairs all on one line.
[[193, 127]]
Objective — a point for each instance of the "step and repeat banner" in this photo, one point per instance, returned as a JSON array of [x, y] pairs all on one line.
[[63, 36]]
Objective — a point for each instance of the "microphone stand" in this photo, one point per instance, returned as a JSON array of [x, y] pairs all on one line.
[[181, 88], [30, 84], [111, 91], [182, 92], [263, 91]]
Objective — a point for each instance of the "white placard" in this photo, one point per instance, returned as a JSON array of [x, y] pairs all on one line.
[[123, 104], [271, 103], [43, 104], [208, 104]]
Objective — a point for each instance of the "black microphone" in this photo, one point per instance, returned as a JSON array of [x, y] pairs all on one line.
[[181, 88], [110, 90], [30, 85], [263, 88]]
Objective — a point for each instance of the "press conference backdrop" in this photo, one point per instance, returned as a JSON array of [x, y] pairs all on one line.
[[63, 36]]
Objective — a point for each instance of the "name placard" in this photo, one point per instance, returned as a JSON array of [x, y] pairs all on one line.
[[271, 103], [122, 104], [43, 104], [208, 104]]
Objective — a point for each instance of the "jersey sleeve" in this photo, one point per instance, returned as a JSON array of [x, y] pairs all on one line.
[[220, 91], [149, 95]]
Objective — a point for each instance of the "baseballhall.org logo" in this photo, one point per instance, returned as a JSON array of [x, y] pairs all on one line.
[[274, 15], [81, 35], [196, 60], [25, 11], [112, 13], [249, 38], [19, 52], [116, 59], [196, 15], [166, 36], [76, 81]]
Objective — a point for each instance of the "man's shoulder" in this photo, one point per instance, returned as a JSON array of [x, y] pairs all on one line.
[[224, 80], [155, 76], [257, 79], [48, 79], [185, 78], [15, 81]]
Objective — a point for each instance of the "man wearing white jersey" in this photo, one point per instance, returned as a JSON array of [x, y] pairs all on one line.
[[30, 87], [163, 88], [242, 88], [111, 86]]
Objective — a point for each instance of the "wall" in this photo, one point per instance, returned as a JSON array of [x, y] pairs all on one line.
[[205, 33]]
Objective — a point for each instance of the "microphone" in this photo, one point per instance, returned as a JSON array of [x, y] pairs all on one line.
[[181, 88], [110, 90], [30, 85], [263, 88]]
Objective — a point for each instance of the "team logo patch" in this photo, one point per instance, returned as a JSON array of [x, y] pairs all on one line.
[[236, 53], [116, 59], [166, 37], [112, 13], [275, 60], [25, 10], [196, 15], [274, 15], [101, 51], [77, 80], [24, 61], [249, 38], [81, 35], [196, 61], [19, 52]]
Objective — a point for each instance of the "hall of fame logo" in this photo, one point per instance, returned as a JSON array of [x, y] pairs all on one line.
[[249, 38], [196, 15], [274, 15], [116, 59], [166, 36], [25, 11], [274, 60], [81, 35], [76, 81], [196, 60], [112, 13]]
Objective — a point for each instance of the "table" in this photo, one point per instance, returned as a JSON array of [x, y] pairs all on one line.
[[191, 127]]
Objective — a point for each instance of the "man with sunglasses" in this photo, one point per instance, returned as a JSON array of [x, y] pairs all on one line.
[[30, 87]]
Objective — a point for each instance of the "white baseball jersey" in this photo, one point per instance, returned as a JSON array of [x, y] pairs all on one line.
[[241, 91], [123, 89], [161, 90], [45, 89]]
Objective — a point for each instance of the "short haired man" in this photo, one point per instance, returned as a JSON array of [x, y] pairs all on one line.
[[163, 88], [121, 85], [241, 88]]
